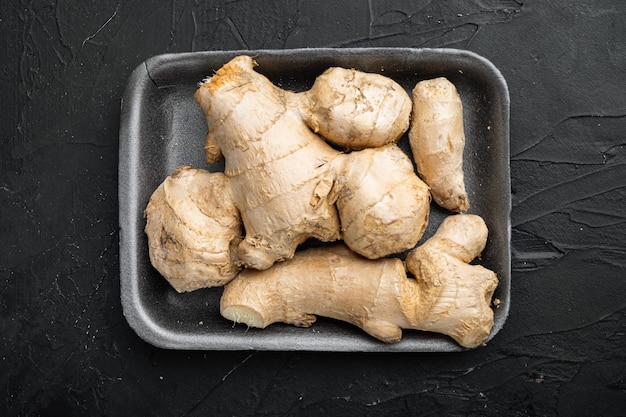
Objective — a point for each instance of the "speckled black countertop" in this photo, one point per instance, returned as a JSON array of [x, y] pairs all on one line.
[[65, 345]]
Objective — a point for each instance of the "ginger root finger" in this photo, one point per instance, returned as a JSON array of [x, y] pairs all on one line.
[[383, 205], [278, 169], [437, 141], [355, 109], [193, 230], [447, 296], [326, 281], [456, 295]]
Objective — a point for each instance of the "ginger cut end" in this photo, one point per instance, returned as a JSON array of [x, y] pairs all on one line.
[[243, 314], [231, 75], [227, 74]]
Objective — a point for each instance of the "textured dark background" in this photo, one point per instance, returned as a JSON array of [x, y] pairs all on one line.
[[65, 347]]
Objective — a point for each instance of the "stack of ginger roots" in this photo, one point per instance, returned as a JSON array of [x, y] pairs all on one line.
[[325, 164]]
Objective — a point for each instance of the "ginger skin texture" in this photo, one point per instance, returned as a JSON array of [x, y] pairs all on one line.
[[460, 294], [285, 179], [448, 295], [355, 109], [437, 141], [193, 230], [326, 281], [279, 171], [383, 205]]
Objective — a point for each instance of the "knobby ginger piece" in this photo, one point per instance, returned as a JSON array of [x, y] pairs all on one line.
[[356, 109], [459, 294], [383, 205], [326, 281], [437, 141], [278, 169], [193, 230], [447, 295]]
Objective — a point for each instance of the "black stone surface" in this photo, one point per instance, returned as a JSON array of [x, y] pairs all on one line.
[[65, 346]]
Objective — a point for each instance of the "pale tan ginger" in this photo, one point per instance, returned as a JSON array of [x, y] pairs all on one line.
[[278, 169], [193, 230], [355, 109], [448, 295], [326, 281], [383, 205], [285, 178], [437, 140], [462, 291]]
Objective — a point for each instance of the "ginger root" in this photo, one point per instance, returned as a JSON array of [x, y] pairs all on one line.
[[383, 205], [193, 230], [437, 141], [277, 168], [448, 295], [459, 293], [355, 109]]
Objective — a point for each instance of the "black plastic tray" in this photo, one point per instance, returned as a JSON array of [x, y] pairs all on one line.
[[162, 128]]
